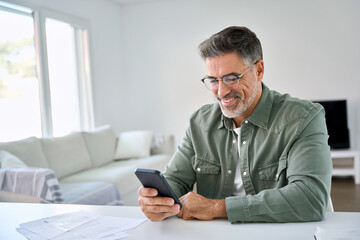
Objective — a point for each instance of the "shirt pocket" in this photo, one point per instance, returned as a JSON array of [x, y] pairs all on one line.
[[270, 174], [207, 176], [205, 166]]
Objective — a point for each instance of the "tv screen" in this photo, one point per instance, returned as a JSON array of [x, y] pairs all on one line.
[[336, 121]]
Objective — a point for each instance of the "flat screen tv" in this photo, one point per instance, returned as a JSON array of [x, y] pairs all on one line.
[[336, 121]]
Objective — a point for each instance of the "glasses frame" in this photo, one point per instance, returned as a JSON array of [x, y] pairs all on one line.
[[238, 76]]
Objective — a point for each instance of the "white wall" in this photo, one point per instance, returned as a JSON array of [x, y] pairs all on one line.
[[311, 50], [146, 71]]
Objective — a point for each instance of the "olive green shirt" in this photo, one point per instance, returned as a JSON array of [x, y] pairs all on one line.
[[285, 160]]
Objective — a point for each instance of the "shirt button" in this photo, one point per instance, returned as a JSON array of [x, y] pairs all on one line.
[[246, 121], [229, 171], [198, 169], [277, 175], [244, 173], [244, 142], [234, 141]]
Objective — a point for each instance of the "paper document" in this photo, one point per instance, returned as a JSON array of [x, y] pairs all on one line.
[[78, 225], [337, 234]]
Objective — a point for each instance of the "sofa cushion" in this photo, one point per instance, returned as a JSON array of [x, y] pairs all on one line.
[[120, 173], [29, 150], [66, 155], [7, 160], [94, 193], [134, 144], [100, 143]]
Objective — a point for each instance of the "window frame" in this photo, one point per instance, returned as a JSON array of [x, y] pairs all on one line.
[[83, 61]]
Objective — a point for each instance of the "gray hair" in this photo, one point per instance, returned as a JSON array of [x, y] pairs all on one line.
[[233, 39]]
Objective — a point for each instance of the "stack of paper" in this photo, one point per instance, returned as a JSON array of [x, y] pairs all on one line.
[[78, 225]]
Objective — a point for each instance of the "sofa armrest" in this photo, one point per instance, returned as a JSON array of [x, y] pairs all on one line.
[[163, 144], [40, 183]]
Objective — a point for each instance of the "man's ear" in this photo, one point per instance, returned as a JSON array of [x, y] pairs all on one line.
[[259, 68]]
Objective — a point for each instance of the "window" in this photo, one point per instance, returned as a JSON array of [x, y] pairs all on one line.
[[19, 95], [62, 76], [45, 85]]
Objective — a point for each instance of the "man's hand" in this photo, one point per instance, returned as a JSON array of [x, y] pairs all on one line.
[[156, 208], [195, 206]]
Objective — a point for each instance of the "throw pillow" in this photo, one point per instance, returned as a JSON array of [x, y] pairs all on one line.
[[134, 144], [7, 160], [101, 144], [29, 150], [67, 154]]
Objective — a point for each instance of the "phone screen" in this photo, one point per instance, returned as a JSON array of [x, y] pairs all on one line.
[[154, 179]]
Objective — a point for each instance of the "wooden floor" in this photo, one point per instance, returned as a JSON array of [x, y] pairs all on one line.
[[345, 195]]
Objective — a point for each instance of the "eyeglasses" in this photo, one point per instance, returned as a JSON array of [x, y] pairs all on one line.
[[230, 80]]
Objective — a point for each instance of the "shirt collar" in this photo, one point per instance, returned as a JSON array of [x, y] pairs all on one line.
[[260, 115], [226, 122]]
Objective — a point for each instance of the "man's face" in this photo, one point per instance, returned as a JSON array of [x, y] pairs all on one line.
[[241, 99]]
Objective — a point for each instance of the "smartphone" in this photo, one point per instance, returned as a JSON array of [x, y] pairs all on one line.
[[154, 179]]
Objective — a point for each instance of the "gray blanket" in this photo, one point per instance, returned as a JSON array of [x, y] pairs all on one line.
[[39, 182]]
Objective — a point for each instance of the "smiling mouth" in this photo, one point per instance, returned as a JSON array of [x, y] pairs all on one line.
[[228, 102]]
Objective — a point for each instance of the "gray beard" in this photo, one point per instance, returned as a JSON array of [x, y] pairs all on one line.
[[241, 108]]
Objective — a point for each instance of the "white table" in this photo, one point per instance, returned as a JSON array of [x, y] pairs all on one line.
[[12, 214]]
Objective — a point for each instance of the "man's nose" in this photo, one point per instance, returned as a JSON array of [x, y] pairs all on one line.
[[223, 90]]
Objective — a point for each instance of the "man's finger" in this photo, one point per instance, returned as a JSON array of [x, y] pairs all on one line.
[[156, 217], [147, 192], [159, 201], [172, 210]]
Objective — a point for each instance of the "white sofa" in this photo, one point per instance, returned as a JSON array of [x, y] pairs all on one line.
[[92, 167]]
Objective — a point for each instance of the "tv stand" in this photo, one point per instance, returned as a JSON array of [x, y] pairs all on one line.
[[354, 170]]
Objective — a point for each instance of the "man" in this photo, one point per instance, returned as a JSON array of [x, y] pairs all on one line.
[[255, 155]]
